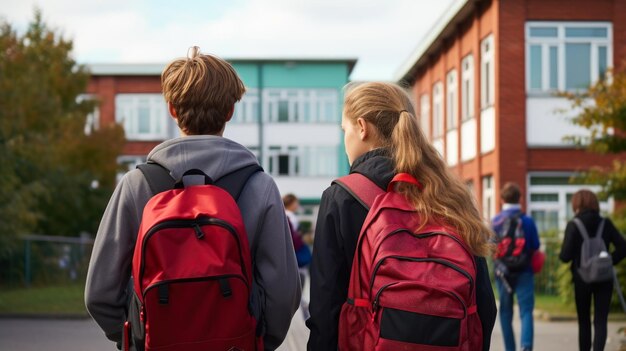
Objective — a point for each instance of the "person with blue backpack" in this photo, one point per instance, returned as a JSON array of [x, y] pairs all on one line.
[[413, 275], [517, 238], [592, 267], [214, 267]]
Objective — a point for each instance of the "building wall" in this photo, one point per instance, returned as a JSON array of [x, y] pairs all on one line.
[[527, 130], [258, 76], [466, 40]]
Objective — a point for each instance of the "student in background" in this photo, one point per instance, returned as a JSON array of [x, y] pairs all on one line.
[[587, 210]]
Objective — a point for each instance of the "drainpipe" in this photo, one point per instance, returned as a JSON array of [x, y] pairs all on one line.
[[260, 111]]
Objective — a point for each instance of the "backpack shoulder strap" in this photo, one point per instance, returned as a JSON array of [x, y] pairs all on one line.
[[600, 228], [360, 187], [235, 181], [158, 177], [582, 229]]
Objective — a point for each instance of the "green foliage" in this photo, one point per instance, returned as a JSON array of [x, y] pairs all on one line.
[[48, 161], [603, 112], [547, 281]]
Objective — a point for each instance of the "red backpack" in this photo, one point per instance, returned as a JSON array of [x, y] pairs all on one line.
[[408, 291], [192, 270]]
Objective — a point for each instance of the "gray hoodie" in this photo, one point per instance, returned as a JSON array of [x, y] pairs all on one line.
[[276, 289]]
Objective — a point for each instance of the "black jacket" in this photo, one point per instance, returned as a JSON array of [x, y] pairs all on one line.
[[572, 243], [338, 226]]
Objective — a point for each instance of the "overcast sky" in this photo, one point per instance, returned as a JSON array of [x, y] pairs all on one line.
[[381, 34]]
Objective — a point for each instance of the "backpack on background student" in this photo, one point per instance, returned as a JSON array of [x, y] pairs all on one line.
[[408, 291], [511, 250], [192, 268], [596, 265]]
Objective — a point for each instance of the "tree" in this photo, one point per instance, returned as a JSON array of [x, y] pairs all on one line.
[[48, 162], [603, 113]]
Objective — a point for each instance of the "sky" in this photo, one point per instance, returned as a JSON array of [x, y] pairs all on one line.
[[381, 34]]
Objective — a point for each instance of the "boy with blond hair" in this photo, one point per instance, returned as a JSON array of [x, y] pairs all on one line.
[[200, 91]]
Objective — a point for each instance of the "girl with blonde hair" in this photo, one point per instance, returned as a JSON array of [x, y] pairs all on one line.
[[382, 138]]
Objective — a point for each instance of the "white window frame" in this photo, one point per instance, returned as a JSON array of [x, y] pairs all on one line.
[[322, 105], [92, 121], [487, 76], [560, 42], [126, 113], [467, 88], [562, 190], [438, 110], [312, 160], [452, 102], [489, 197], [247, 109], [425, 115]]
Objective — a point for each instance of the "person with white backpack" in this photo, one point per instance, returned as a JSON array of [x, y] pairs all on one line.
[[586, 244]]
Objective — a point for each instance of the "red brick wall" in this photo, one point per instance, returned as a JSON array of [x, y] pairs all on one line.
[[511, 96], [106, 87], [512, 160], [466, 40]]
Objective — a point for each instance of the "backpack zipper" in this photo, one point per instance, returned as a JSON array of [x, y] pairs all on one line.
[[189, 223], [414, 259], [376, 303]]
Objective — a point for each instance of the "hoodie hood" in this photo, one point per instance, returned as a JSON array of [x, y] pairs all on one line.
[[214, 155]]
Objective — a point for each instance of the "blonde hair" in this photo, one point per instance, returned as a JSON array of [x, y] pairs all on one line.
[[202, 89], [444, 197]]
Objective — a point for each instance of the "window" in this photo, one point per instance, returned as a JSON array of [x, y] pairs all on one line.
[[247, 110], [566, 55], [437, 110], [92, 122], [489, 198], [452, 105], [487, 72], [300, 105], [143, 116], [307, 161], [425, 115], [550, 198], [467, 88]]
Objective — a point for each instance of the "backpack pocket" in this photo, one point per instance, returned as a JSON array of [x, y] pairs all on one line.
[[209, 313], [413, 316]]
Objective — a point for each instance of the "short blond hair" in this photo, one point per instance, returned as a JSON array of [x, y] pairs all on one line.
[[202, 89]]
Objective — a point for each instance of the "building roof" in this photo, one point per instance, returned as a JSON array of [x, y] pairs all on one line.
[[445, 27], [150, 69]]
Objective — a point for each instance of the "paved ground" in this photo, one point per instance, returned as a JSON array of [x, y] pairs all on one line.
[[84, 335]]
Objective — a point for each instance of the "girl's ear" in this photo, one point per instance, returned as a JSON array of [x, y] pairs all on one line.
[[364, 128]]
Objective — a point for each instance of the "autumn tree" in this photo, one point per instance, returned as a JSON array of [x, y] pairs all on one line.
[[55, 179], [603, 113]]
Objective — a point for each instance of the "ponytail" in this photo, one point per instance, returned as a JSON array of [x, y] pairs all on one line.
[[444, 199]]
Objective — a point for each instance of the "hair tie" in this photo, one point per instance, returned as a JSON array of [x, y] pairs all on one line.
[[193, 52], [403, 111]]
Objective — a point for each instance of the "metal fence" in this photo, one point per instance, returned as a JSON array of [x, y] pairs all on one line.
[[45, 260]]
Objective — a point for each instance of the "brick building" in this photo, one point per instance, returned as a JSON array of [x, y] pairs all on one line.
[[290, 117], [485, 81]]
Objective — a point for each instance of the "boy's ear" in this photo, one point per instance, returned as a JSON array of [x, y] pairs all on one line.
[[230, 113], [172, 110]]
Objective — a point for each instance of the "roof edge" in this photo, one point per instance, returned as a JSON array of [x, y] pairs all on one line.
[[453, 14], [149, 69]]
